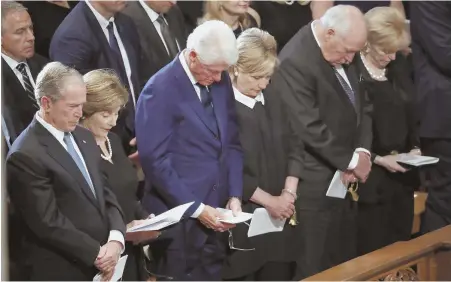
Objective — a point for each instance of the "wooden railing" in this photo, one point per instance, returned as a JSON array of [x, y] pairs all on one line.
[[426, 258]]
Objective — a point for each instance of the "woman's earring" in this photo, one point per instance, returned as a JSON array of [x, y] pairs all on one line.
[[236, 73]]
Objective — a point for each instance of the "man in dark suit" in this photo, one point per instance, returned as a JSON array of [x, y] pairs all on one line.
[[189, 150], [431, 45], [162, 33], [327, 110], [75, 227], [96, 35], [20, 66]]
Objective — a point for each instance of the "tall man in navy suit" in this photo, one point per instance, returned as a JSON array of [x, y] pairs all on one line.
[[96, 35], [189, 149]]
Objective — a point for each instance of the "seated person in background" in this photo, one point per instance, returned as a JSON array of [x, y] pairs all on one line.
[[271, 164], [236, 13], [105, 97], [386, 199], [74, 223]]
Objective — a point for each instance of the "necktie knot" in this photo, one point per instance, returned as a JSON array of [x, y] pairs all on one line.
[[21, 67], [110, 25], [67, 138], [161, 20]]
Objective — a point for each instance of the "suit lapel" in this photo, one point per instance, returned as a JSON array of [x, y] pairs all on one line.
[[156, 45], [218, 96], [351, 74], [59, 154], [328, 71], [191, 98], [103, 42]]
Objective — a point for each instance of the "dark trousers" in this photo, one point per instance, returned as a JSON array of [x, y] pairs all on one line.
[[271, 271], [437, 181], [327, 234], [386, 222]]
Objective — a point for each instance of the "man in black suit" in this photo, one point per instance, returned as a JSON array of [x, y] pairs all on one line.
[[96, 35], [431, 45], [162, 33], [20, 66], [327, 110], [75, 227]]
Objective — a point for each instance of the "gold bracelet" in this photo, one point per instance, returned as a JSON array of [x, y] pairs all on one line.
[[291, 193]]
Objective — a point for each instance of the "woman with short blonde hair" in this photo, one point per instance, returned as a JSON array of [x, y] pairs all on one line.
[[105, 97], [386, 199], [270, 177], [236, 13]]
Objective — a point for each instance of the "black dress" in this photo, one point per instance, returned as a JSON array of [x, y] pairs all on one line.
[[386, 200], [268, 160], [123, 181], [252, 23], [281, 20]]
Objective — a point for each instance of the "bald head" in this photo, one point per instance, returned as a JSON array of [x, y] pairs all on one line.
[[343, 30]]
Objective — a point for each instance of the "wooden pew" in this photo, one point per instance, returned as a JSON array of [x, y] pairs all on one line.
[[426, 258], [419, 207]]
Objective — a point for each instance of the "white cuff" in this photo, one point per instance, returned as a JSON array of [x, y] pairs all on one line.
[[199, 210], [363, 150], [117, 236], [354, 161], [355, 157]]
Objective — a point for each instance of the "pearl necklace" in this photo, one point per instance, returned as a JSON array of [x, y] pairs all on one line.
[[110, 155], [379, 77]]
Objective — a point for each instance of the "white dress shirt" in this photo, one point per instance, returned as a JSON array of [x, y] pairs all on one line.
[[246, 100], [154, 17], [13, 65], [114, 235], [355, 157], [197, 89], [104, 25]]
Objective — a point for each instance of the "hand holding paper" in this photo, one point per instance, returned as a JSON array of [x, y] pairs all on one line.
[[210, 218], [115, 274]]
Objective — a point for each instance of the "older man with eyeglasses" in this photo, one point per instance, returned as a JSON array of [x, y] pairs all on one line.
[[187, 137]]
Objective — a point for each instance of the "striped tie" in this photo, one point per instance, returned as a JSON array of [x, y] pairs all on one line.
[[22, 67], [346, 87]]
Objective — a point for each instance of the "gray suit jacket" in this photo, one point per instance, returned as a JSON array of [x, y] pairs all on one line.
[[154, 55]]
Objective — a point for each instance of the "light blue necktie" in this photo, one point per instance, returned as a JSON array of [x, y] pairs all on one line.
[[78, 161]]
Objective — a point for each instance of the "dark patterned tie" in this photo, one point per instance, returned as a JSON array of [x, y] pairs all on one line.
[[346, 87], [22, 68], [114, 45], [207, 103], [168, 37]]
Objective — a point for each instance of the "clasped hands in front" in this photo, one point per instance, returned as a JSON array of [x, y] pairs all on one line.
[[360, 172], [107, 259], [211, 217]]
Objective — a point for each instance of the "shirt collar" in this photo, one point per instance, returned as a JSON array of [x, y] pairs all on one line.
[[102, 21], [317, 41], [151, 13], [312, 25], [186, 68], [11, 62], [58, 134], [246, 100]]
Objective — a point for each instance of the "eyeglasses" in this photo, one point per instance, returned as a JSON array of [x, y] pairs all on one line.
[[232, 247]]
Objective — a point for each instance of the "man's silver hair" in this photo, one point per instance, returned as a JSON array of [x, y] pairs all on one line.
[[52, 80], [214, 42], [9, 7], [338, 18]]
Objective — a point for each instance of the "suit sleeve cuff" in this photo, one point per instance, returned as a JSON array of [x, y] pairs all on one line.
[[354, 161], [199, 210], [363, 150], [117, 236]]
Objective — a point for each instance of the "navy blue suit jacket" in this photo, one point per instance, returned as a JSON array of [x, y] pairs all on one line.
[[180, 155], [79, 42]]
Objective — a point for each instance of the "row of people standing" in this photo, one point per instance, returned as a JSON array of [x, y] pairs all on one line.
[[260, 116]]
